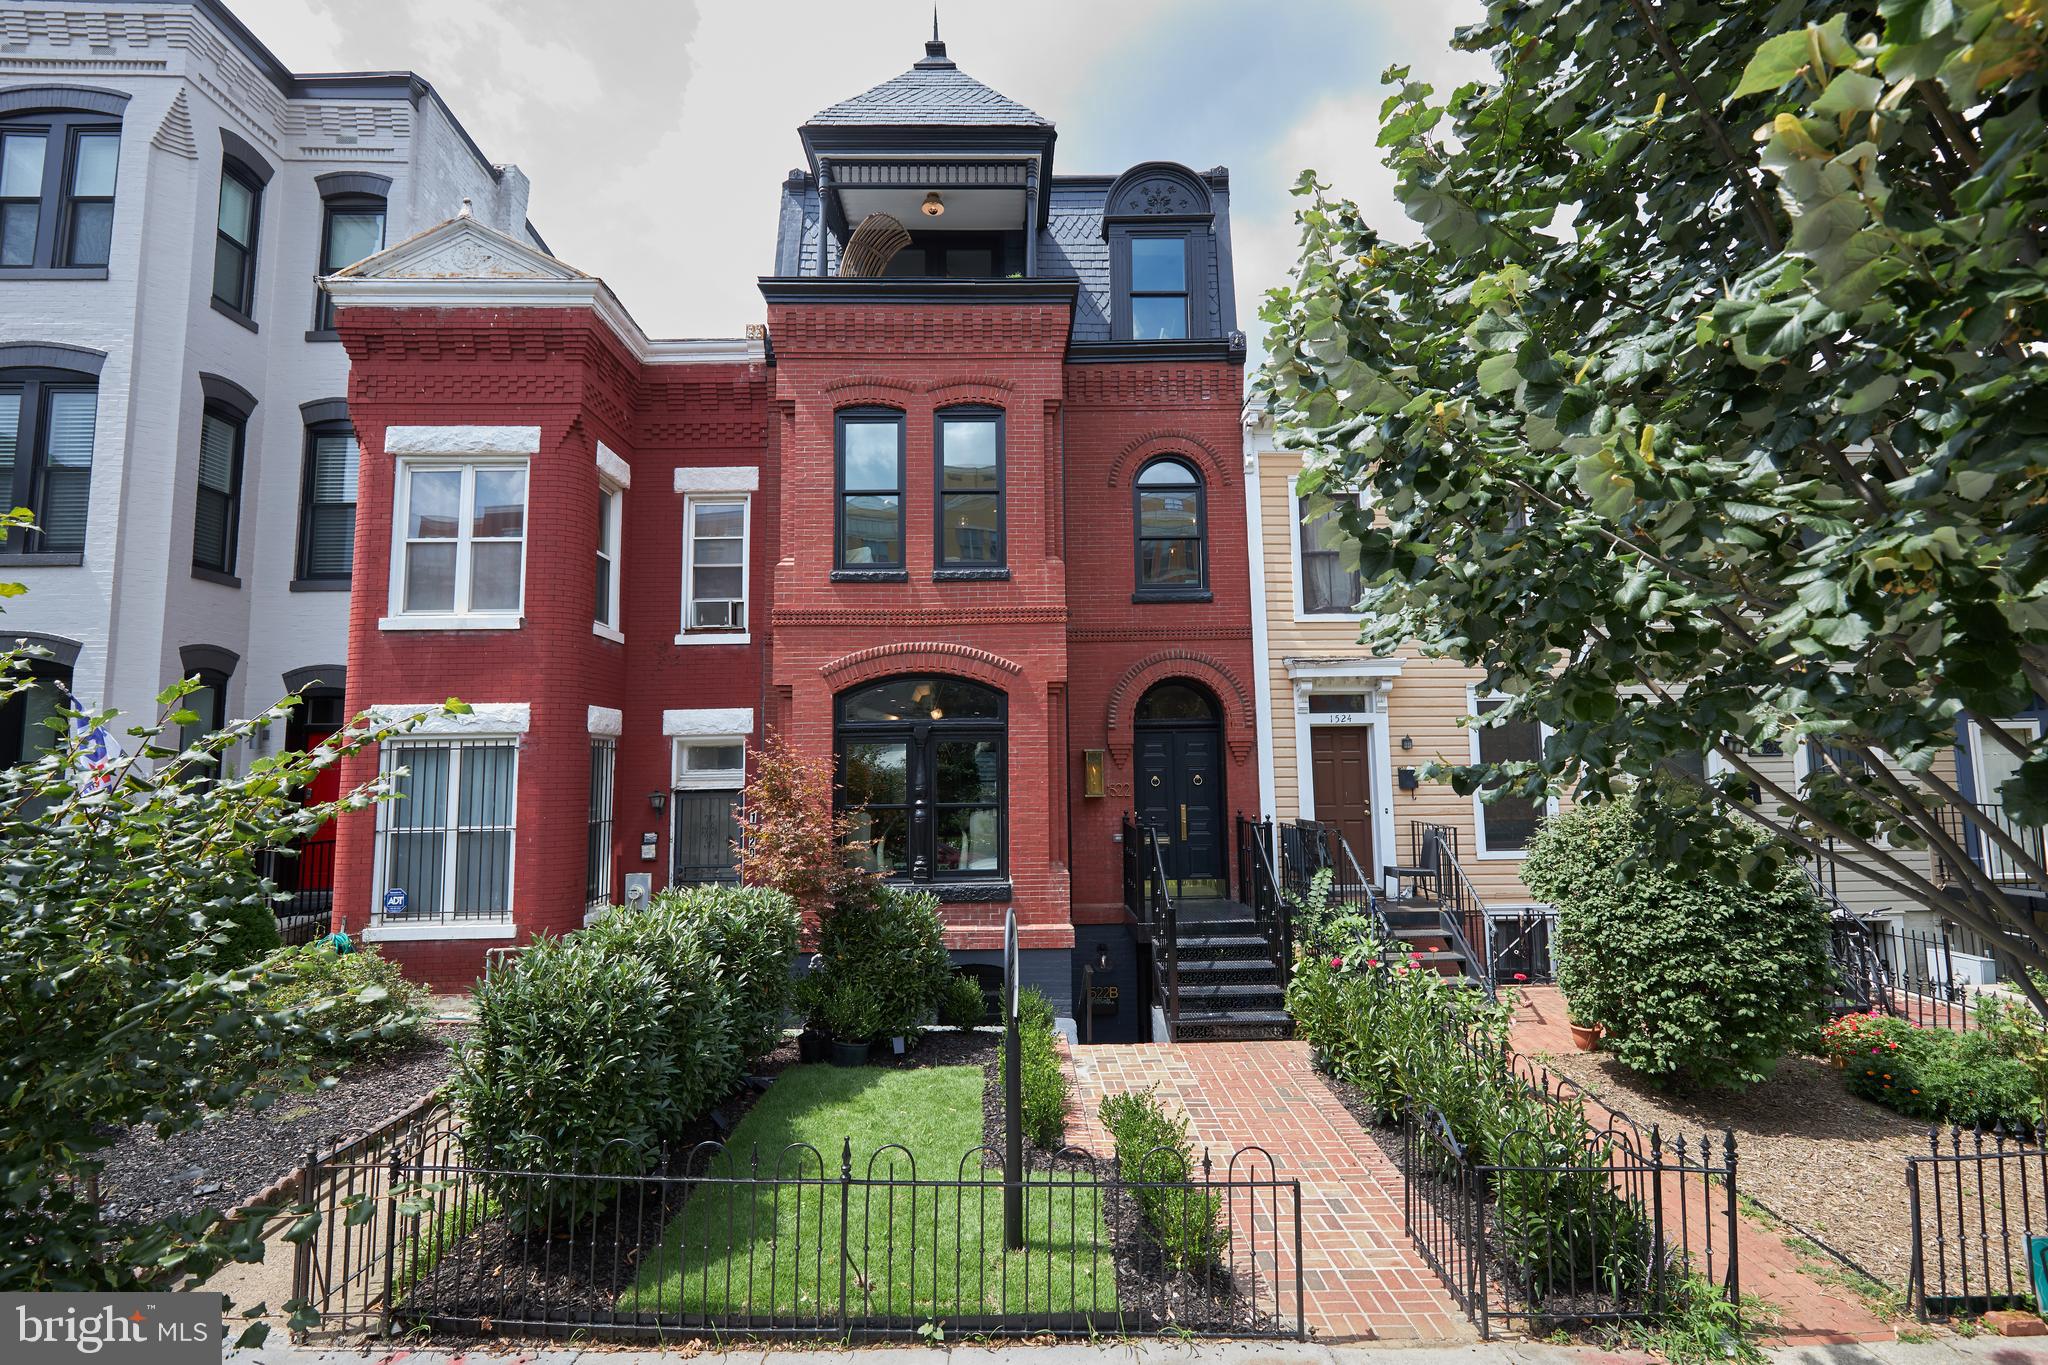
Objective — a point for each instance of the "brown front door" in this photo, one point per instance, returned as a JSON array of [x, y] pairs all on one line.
[[1341, 767]]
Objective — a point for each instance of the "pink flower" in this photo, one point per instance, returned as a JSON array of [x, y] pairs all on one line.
[[1372, 962], [1336, 962], [1415, 957], [1521, 976]]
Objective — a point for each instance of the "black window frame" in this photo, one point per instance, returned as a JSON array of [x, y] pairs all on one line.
[[942, 567], [309, 505], [242, 309], [32, 453], [899, 571], [1303, 553], [62, 131], [921, 739], [331, 206], [216, 680], [1002, 249], [1131, 293], [1172, 592], [14, 724], [231, 533]]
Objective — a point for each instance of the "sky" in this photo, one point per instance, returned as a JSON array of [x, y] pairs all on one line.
[[657, 133]]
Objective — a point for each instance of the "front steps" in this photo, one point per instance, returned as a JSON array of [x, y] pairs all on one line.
[[1230, 980]]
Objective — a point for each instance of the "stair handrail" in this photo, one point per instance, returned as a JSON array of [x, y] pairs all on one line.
[[1452, 879], [1170, 917], [1374, 906], [1144, 888], [1270, 904]]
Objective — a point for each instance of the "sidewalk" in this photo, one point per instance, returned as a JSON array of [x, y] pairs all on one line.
[[1949, 1351]]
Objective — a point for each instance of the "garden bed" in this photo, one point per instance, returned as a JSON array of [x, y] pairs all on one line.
[[238, 1153], [1828, 1165]]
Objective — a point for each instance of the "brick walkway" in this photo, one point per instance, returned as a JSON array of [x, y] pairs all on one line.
[[1362, 1275]]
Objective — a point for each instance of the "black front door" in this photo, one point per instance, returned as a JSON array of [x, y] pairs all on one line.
[[1180, 795], [707, 828]]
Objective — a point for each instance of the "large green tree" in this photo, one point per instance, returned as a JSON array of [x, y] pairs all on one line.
[[1707, 414]]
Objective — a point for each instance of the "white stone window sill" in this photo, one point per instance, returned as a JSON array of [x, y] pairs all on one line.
[[452, 622], [727, 637], [616, 636], [382, 932]]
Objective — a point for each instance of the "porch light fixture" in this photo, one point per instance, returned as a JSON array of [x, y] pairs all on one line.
[[1407, 741], [933, 205], [1091, 772], [658, 800]]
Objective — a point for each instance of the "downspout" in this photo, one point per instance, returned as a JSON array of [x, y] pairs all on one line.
[[1262, 645]]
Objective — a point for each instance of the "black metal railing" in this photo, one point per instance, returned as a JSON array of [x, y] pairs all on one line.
[[1571, 1216], [1915, 974], [1148, 900], [1259, 887], [798, 1243], [1976, 829], [1975, 1202], [304, 876]]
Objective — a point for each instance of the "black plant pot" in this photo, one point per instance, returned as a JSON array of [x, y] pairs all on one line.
[[849, 1054], [810, 1046]]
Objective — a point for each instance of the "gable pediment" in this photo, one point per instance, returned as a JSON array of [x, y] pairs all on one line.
[[461, 249]]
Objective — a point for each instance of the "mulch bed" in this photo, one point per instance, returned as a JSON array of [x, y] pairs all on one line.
[[1828, 1165], [514, 1282], [236, 1154]]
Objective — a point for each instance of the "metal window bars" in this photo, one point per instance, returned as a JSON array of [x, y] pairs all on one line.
[[447, 840]]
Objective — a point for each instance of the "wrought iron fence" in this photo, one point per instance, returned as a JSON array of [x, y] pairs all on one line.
[[1975, 1204], [1913, 974], [1569, 1215], [792, 1243], [305, 880]]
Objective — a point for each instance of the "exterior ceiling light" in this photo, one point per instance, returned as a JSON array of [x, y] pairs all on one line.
[[933, 205]]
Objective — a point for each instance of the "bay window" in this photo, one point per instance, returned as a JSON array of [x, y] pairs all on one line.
[[47, 419], [217, 515], [57, 174], [327, 503], [605, 610]]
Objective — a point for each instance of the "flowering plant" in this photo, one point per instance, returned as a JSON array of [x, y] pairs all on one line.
[[1856, 1038]]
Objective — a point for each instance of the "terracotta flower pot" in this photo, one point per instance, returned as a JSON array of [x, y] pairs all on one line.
[[1586, 1037]]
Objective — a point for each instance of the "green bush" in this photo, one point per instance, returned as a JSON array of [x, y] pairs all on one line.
[[1042, 1082], [1935, 1074], [570, 1066], [752, 931], [1697, 982], [704, 1050], [889, 945], [350, 1006], [963, 1005], [244, 931], [1153, 1152]]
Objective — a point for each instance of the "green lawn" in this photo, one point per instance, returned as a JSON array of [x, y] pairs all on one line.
[[771, 1254]]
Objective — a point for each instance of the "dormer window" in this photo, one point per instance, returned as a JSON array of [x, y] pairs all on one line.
[[1159, 288]]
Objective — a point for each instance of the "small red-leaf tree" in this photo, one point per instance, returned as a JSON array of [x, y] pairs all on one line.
[[793, 838]]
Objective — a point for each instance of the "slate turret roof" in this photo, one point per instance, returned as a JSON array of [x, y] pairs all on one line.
[[934, 91]]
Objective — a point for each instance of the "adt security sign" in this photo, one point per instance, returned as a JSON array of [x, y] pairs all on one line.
[[395, 901]]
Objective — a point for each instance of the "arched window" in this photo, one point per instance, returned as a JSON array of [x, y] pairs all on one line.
[[1172, 529], [923, 770]]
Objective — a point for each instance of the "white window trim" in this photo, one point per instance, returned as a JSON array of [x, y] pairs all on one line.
[[1294, 556], [611, 630], [684, 635], [1473, 697], [461, 618], [483, 720], [611, 468], [478, 732], [459, 442], [730, 478], [606, 722], [708, 779]]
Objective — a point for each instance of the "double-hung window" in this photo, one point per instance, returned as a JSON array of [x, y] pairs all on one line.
[[870, 465], [446, 840], [461, 550], [1328, 587], [1506, 824], [234, 239], [1172, 530], [610, 510], [217, 516], [715, 564], [352, 229], [1159, 288], [46, 439], [970, 488], [57, 173], [327, 504], [26, 732]]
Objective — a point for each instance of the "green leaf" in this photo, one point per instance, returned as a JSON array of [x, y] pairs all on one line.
[[1774, 63], [1850, 92]]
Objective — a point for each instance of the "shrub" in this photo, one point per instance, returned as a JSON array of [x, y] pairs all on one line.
[[570, 1066], [889, 945], [697, 1007], [796, 840], [243, 929], [1696, 981], [353, 1006], [1041, 1080], [963, 1005], [1932, 1073], [752, 931], [1153, 1152]]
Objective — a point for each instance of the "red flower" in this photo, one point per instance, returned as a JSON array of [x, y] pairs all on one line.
[[1336, 962], [1521, 976]]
